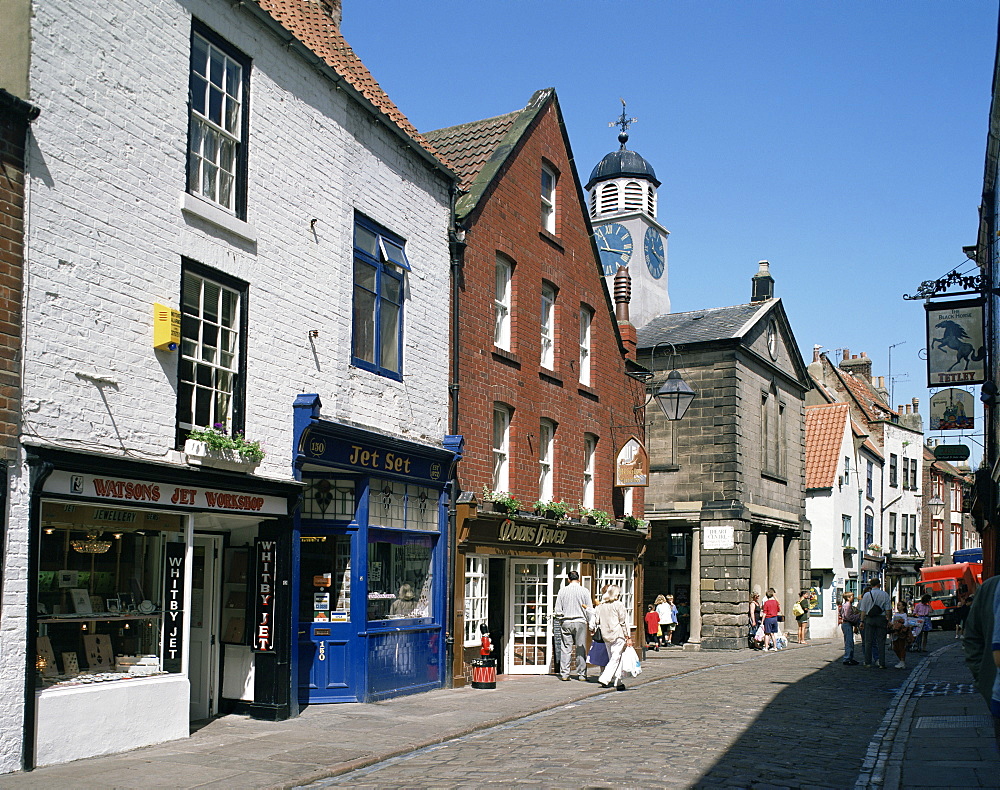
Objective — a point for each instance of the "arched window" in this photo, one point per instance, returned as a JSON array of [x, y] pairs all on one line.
[[609, 198], [633, 196]]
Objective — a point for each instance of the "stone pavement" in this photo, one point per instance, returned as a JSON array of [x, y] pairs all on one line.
[[796, 718]]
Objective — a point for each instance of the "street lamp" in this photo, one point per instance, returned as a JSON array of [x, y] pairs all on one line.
[[936, 506], [674, 396]]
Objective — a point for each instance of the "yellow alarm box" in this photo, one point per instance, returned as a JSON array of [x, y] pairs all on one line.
[[166, 328]]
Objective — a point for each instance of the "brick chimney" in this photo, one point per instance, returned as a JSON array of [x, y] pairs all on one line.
[[333, 9], [762, 283], [860, 366]]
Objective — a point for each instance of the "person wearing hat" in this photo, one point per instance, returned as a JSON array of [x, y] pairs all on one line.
[[572, 609]]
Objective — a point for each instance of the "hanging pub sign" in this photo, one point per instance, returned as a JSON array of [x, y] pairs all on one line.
[[264, 587], [956, 346], [952, 410], [632, 465], [173, 607]]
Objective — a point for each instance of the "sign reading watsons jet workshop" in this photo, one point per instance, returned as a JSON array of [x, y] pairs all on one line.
[[124, 491], [173, 607]]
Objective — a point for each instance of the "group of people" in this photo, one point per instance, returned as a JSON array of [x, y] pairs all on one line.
[[662, 618], [876, 620], [764, 618]]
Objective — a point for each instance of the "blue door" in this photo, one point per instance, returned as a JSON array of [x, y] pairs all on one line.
[[328, 667]]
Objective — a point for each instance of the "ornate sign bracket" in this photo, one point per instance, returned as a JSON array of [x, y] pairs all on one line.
[[973, 283]]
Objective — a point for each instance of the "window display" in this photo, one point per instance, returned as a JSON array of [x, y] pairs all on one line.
[[399, 575], [100, 592], [325, 574]]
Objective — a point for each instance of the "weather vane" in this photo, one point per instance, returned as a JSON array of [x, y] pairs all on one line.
[[624, 122]]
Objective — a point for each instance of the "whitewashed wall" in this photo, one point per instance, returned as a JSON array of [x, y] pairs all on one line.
[[106, 235]]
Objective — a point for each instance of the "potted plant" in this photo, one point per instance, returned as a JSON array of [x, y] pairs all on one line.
[[553, 510], [597, 518], [874, 548], [501, 501], [214, 447], [634, 522]]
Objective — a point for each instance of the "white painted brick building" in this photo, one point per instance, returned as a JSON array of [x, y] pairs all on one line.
[[111, 224]]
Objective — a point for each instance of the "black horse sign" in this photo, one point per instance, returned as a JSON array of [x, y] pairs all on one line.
[[956, 348]]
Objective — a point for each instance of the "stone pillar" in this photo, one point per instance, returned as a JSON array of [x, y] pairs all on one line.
[[776, 569], [694, 640], [758, 563], [793, 576]]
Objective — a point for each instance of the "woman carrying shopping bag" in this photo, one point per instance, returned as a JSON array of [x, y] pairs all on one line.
[[610, 619]]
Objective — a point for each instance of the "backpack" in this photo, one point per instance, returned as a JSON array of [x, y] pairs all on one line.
[[876, 610]]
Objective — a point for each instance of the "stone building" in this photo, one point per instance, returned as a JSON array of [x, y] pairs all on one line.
[[726, 503]]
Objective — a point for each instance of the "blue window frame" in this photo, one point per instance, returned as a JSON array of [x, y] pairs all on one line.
[[380, 265]]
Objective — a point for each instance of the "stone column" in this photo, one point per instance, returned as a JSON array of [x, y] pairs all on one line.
[[694, 640], [758, 563], [793, 576], [776, 569]]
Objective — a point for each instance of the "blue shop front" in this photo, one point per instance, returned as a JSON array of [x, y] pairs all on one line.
[[369, 560]]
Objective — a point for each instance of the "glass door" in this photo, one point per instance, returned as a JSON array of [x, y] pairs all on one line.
[[327, 643], [528, 650]]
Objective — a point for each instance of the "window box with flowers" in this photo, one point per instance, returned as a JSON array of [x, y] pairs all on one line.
[[216, 449], [499, 502]]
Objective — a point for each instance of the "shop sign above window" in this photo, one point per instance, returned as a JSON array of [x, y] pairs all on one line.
[[632, 465]]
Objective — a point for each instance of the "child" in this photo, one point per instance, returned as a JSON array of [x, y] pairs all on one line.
[[901, 629], [652, 620]]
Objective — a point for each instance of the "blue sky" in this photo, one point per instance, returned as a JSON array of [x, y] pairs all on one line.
[[842, 141]]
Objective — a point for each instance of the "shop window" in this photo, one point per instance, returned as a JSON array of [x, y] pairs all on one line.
[[328, 498], [402, 506], [620, 574], [477, 579], [325, 573], [102, 588], [399, 575]]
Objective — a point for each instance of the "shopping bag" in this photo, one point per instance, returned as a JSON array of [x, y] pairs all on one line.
[[758, 635], [630, 662], [598, 655], [780, 640]]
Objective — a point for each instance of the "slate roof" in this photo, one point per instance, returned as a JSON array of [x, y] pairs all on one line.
[[311, 24], [478, 150], [824, 438], [700, 326], [865, 396]]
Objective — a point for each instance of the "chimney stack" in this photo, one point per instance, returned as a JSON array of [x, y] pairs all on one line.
[[623, 295], [762, 283], [334, 10], [860, 365]]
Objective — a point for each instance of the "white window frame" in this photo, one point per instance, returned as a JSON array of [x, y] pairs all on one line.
[[586, 320], [548, 327], [621, 574], [548, 194], [589, 463], [502, 303], [501, 447], [217, 123], [546, 459], [477, 585]]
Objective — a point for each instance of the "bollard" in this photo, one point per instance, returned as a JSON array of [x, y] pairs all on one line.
[[484, 673]]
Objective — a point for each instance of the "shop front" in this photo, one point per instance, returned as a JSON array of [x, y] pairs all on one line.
[[509, 570], [156, 599], [369, 571]]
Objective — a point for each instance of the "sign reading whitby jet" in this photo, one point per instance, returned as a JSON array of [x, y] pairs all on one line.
[[956, 346]]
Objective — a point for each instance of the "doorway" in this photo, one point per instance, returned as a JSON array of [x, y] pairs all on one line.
[[203, 661]]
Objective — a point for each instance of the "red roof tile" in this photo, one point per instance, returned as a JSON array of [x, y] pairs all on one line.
[[824, 438]]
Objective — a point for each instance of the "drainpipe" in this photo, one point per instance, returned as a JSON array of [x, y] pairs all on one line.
[[456, 248]]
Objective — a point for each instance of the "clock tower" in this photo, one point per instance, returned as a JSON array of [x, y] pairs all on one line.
[[622, 193]]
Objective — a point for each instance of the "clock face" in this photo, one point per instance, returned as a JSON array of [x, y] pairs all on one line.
[[655, 257], [615, 245]]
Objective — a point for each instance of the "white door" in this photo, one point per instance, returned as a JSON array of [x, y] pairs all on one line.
[[203, 666], [529, 648]]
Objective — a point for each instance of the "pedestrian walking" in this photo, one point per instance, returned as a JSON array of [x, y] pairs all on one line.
[[849, 618], [611, 620], [901, 633], [572, 609], [923, 611], [652, 621], [875, 606], [801, 613], [771, 609], [667, 611], [961, 615], [981, 643], [755, 619]]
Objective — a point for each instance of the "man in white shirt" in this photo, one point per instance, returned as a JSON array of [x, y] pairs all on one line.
[[573, 610], [876, 608]]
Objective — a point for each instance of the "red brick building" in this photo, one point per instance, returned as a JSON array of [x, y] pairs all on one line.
[[542, 397]]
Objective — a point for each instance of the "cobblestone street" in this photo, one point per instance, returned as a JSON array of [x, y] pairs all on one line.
[[797, 718]]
